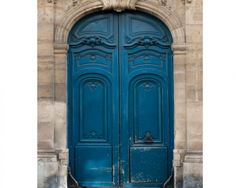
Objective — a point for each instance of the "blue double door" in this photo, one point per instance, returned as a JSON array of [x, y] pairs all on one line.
[[120, 100]]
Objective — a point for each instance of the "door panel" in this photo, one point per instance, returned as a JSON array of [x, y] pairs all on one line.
[[94, 109], [145, 100], [120, 100], [95, 169], [146, 110], [93, 99], [146, 163]]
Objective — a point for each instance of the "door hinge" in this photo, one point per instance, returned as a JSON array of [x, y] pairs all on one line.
[[71, 181], [169, 182]]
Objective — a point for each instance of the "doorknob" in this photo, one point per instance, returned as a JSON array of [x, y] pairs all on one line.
[[148, 138]]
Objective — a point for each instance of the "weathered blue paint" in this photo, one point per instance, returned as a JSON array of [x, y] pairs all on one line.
[[120, 100]]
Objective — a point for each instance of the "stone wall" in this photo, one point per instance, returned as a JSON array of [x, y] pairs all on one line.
[[55, 19]]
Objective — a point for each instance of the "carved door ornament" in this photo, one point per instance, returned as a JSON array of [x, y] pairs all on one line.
[[119, 5]]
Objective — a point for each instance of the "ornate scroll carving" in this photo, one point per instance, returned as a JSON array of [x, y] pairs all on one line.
[[119, 5], [92, 41], [93, 85], [137, 60], [92, 134], [147, 41], [148, 86]]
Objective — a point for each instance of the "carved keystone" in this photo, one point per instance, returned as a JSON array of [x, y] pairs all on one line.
[[119, 5]]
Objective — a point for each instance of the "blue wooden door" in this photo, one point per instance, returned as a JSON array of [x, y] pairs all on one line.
[[120, 100]]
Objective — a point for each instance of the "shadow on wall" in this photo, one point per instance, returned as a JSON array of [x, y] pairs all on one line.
[[52, 182], [191, 180]]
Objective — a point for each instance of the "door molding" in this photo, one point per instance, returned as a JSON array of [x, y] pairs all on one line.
[[161, 11], [173, 22]]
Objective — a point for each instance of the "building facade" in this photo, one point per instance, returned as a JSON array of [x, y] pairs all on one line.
[[56, 20]]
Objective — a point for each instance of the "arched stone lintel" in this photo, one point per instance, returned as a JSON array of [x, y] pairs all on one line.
[[168, 17], [72, 16]]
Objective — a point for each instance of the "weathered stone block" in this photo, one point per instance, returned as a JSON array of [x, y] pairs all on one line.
[[45, 111], [194, 33], [45, 31], [60, 125], [200, 94], [180, 138], [45, 131], [194, 112], [45, 72], [60, 92], [194, 13], [191, 76], [45, 13], [45, 144], [60, 73], [47, 171], [178, 180], [191, 93], [194, 125], [45, 48], [180, 95], [45, 91], [195, 143], [192, 171], [45, 135]]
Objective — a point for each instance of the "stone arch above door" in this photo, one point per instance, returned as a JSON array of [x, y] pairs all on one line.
[[158, 8]]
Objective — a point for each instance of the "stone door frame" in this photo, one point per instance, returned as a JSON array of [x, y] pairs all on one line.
[[62, 30]]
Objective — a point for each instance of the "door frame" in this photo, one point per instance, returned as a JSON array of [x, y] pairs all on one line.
[[66, 22]]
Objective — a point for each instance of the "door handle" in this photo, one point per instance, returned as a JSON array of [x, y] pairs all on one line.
[[148, 138]]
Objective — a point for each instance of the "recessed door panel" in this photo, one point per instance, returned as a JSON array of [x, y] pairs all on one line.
[[146, 163], [96, 169], [92, 58], [94, 110], [147, 58], [120, 100], [146, 109]]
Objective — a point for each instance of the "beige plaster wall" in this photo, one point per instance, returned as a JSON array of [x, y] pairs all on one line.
[[194, 75]]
